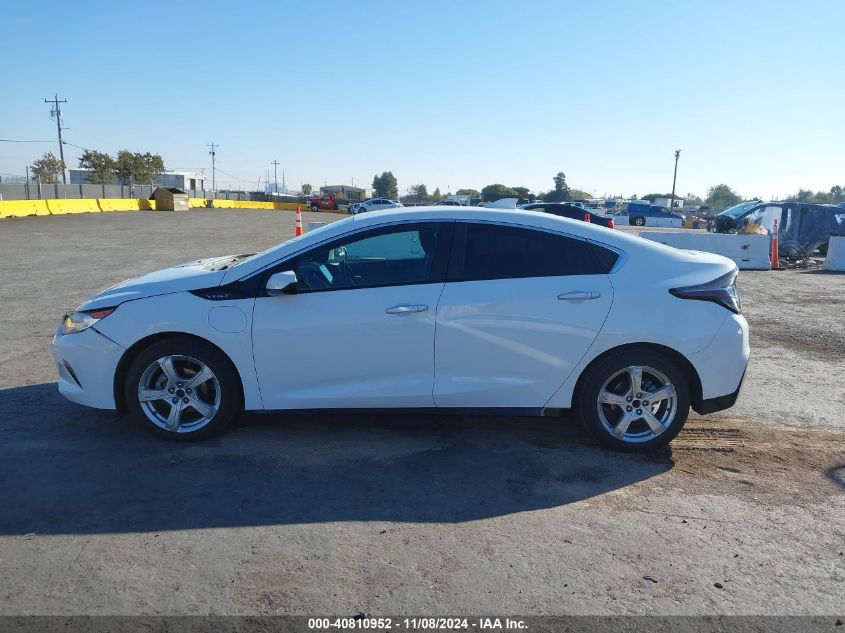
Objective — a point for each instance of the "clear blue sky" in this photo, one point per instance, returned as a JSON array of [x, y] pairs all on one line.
[[451, 94]]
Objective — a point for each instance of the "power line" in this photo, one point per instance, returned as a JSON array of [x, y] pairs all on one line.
[[57, 113], [15, 140]]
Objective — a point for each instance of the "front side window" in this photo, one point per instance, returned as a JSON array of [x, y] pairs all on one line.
[[492, 251], [388, 256]]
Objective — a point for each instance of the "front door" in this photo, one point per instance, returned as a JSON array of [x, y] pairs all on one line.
[[359, 332], [520, 308]]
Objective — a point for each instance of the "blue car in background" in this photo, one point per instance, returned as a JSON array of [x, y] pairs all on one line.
[[638, 212]]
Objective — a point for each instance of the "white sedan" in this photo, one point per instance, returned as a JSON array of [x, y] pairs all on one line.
[[431, 308], [374, 204]]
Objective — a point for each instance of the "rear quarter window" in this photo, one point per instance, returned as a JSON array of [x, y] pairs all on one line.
[[492, 251]]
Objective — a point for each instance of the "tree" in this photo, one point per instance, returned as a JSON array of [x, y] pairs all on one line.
[[436, 196], [102, 166], [136, 167], [498, 190], [561, 192], [386, 186], [651, 197], [721, 197], [306, 189], [577, 194], [691, 198], [522, 191], [48, 168], [836, 193], [417, 194], [468, 192]]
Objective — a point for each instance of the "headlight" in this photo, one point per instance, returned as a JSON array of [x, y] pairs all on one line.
[[78, 321]]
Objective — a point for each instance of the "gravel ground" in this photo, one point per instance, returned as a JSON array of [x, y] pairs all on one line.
[[408, 514]]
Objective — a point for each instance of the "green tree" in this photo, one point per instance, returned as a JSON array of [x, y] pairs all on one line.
[[306, 189], [436, 196], [578, 194], [561, 192], [386, 186], [522, 191], [417, 194], [102, 166], [138, 168], [48, 168], [468, 192], [691, 198], [498, 190], [721, 197]]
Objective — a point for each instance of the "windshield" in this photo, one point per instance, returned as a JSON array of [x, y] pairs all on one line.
[[740, 208], [316, 231]]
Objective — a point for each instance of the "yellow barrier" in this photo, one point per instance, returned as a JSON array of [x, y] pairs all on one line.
[[118, 204], [61, 207], [21, 208]]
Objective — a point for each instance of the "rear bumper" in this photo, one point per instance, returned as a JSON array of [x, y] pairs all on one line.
[[720, 403], [86, 363], [721, 365]]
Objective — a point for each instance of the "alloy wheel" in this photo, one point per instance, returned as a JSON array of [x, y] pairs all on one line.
[[636, 404], [179, 393]]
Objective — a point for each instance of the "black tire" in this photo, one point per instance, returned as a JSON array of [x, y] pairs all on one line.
[[638, 221], [226, 389], [315, 208], [599, 374]]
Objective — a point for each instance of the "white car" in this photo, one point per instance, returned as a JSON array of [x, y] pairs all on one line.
[[374, 204], [432, 308]]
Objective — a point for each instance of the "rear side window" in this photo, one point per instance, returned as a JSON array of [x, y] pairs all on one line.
[[492, 251]]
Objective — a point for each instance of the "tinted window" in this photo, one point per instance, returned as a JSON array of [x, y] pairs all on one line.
[[397, 255], [490, 251]]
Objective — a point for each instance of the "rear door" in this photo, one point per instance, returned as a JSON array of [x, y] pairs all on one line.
[[520, 308]]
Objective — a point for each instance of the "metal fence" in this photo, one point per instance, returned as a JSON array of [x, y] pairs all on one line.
[[35, 190]]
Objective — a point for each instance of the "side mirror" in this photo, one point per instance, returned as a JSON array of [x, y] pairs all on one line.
[[281, 283]]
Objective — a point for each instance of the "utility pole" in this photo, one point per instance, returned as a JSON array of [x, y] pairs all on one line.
[[57, 113], [674, 179], [275, 165], [213, 155]]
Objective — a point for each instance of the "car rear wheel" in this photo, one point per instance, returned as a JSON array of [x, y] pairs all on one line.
[[183, 389], [635, 402], [638, 221], [315, 208]]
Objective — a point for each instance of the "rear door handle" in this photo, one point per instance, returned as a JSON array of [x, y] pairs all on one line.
[[407, 309], [579, 296]]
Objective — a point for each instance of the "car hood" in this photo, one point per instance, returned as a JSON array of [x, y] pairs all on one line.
[[202, 273]]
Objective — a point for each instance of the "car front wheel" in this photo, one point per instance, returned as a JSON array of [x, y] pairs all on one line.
[[635, 402], [638, 221], [183, 389], [315, 208]]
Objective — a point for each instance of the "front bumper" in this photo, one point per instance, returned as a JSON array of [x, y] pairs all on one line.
[[86, 362]]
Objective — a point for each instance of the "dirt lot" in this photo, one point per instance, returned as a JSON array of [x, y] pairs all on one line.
[[413, 514]]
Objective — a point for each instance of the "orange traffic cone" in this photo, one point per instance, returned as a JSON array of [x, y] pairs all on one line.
[[298, 221], [775, 261]]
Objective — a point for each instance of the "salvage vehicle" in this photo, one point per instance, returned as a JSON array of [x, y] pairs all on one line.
[[327, 202], [802, 228], [374, 204], [567, 210], [450, 309], [639, 213]]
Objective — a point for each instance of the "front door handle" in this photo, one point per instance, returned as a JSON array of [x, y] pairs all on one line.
[[579, 296], [407, 309]]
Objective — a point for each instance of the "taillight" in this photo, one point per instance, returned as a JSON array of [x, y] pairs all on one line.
[[722, 291], [612, 224]]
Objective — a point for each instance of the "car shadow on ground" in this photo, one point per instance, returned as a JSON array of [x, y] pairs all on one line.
[[67, 469]]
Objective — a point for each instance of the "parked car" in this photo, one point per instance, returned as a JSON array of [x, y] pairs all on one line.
[[374, 204], [420, 309], [322, 203], [448, 203], [566, 210], [638, 213]]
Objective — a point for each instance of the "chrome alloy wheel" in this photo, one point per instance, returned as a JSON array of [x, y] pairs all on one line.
[[179, 393], [636, 404]]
